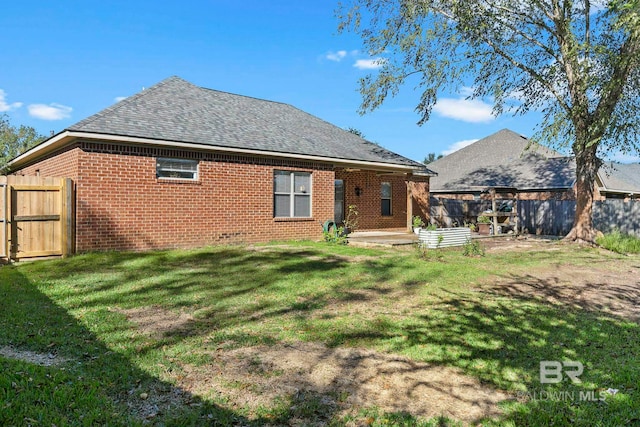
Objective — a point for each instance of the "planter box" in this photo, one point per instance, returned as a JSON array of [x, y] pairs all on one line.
[[450, 237], [484, 228]]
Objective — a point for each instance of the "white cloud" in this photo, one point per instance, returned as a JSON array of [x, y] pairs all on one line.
[[369, 64], [4, 106], [457, 146], [466, 91], [119, 98], [336, 56], [52, 111], [466, 110], [598, 6]]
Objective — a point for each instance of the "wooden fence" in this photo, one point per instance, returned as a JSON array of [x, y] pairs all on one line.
[[36, 217], [545, 217]]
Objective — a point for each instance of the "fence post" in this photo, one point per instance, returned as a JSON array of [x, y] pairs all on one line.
[[5, 220]]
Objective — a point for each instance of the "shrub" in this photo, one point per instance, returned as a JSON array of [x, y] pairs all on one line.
[[473, 248], [417, 222], [335, 235]]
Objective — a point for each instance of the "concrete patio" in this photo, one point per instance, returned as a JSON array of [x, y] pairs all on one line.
[[382, 238]]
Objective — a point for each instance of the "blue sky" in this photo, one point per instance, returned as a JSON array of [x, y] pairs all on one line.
[[65, 60]]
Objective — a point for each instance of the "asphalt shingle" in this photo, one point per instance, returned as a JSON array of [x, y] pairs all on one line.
[[621, 177], [176, 110], [504, 159]]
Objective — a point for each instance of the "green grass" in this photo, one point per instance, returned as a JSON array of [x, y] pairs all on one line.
[[620, 243], [431, 309]]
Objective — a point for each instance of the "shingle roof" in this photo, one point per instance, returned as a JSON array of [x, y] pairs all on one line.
[[504, 159], [176, 110], [620, 177]]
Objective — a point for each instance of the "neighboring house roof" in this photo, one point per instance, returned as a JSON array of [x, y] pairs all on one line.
[[178, 111], [620, 178], [504, 159]]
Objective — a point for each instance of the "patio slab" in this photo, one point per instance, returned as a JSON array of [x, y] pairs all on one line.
[[382, 238]]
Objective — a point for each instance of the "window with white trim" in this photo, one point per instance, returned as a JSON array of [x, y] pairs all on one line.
[[385, 195], [291, 194], [177, 169]]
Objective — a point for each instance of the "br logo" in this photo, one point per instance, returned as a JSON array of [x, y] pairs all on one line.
[[553, 371]]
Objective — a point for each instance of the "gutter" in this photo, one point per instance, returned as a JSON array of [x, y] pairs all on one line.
[[64, 137]]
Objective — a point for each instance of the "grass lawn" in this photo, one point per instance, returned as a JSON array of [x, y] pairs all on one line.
[[191, 337]]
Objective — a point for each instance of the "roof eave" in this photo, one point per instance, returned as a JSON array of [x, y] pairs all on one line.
[[609, 190], [485, 188], [65, 137]]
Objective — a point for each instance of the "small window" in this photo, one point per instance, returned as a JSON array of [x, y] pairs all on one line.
[[177, 169], [385, 193], [291, 194]]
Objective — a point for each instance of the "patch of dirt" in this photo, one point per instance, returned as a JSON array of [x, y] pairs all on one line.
[[147, 401], [610, 288], [310, 256], [340, 379], [519, 244], [158, 322], [50, 359]]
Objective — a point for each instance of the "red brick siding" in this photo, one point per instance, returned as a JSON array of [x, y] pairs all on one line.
[[420, 198], [369, 201], [122, 205], [63, 164]]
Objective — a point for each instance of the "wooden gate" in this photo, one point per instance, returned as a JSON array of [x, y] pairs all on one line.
[[37, 217]]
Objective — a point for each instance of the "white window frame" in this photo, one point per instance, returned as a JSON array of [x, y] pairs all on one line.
[[160, 169], [390, 198], [293, 193]]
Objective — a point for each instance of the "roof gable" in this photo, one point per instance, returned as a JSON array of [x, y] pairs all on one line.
[[503, 159], [176, 110]]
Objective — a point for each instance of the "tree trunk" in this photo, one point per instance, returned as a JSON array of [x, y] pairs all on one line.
[[587, 165]]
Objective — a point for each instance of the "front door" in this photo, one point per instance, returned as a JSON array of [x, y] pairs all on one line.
[[338, 209]]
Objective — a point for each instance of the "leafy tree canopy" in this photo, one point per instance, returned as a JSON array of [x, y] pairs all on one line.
[[15, 140], [431, 157], [575, 61]]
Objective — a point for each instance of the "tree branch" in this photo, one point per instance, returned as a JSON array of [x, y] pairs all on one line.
[[533, 73], [630, 54]]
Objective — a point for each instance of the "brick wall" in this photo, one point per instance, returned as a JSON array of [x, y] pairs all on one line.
[[369, 201], [122, 205], [62, 164], [420, 198]]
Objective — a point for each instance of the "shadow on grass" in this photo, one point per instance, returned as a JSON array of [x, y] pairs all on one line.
[[224, 285], [499, 338], [502, 340], [618, 295], [87, 384]]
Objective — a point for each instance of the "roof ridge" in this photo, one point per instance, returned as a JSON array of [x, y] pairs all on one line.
[[177, 110], [128, 100], [243, 96]]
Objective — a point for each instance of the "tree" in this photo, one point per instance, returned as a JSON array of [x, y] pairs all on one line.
[[14, 141], [431, 157], [576, 61], [355, 132]]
